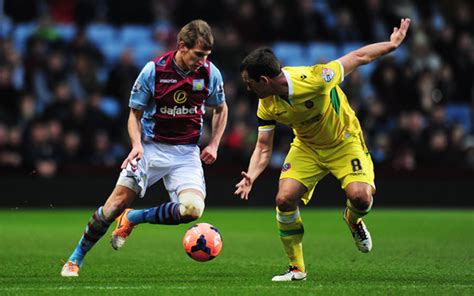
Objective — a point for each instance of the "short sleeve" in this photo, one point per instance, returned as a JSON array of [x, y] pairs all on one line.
[[143, 88], [266, 122], [331, 74], [216, 87]]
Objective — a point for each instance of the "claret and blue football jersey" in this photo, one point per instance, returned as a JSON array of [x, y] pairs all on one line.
[[174, 103]]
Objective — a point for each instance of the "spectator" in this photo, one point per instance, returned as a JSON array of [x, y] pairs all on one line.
[[57, 80], [71, 150], [121, 78], [9, 96]]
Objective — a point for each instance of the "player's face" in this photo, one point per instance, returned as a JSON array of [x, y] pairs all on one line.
[[259, 88], [193, 58]]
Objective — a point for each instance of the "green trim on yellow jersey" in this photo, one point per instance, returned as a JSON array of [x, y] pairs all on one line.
[[335, 102]]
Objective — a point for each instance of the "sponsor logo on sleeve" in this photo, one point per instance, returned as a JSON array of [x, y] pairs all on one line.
[[198, 84], [328, 74], [220, 88], [136, 87]]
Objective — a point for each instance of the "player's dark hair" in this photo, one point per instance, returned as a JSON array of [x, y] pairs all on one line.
[[261, 61], [194, 32]]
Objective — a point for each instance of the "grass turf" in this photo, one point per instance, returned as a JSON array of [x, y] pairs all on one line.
[[416, 252]]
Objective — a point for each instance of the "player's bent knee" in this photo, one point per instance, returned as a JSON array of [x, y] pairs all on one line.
[[361, 198], [285, 204], [362, 203], [192, 206]]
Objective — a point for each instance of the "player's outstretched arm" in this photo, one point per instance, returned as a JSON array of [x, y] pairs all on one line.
[[258, 162], [219, 121], [367, 54], [134, 132]]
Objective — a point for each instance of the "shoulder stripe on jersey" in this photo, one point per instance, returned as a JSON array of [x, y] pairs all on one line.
[[262, 122], [335, 102]]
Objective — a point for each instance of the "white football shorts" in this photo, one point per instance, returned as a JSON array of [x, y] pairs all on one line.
[[179, 166]]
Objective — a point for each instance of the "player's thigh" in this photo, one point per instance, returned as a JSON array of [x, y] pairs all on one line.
[[185, 177], [149, 170], [350, 162], [303, 165]]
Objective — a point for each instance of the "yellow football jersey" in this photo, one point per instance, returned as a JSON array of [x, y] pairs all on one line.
[[316, 108]]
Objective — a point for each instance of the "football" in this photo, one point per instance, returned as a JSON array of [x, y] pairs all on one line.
[[202, 242]]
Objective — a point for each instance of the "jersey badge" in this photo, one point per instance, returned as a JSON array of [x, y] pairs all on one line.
[[198, 84], [328, 74], [136, 87], [286, 166]]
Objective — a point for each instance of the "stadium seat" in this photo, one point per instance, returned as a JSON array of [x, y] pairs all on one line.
[[111, 51], [21, 33], [400, 55], [350, 46], [145, 52], [6, 27], [110, 106], [322, 52], [101, 34], [459, 114], [133, 34], [323, 8], [67, 32], [367, 70], [290, 54]]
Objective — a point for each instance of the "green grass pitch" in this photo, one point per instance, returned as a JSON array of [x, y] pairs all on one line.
[[416, 252]]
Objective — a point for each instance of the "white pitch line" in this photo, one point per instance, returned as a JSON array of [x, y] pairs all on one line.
[[76, 288]]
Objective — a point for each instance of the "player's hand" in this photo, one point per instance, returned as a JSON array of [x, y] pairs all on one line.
[[399, 33], [244, 186], [209, 154], [133, 157]]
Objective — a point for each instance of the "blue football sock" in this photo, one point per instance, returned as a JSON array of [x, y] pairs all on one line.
[[95, 229], [166, 213]]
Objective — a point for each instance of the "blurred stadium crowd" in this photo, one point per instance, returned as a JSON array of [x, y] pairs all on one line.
[[67, 68]]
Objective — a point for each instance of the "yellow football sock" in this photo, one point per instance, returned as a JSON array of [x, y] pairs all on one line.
[[354, 215], [291, 235]]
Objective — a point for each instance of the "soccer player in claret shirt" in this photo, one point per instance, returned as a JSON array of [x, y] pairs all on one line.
[[165, 124], [328, 139]]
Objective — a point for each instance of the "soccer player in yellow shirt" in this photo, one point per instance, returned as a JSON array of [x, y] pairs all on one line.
[[328, 139]]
